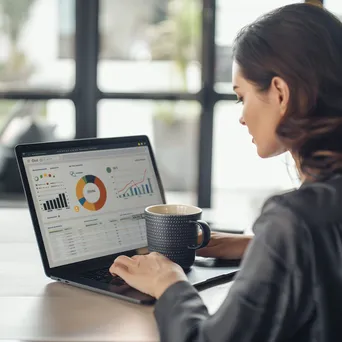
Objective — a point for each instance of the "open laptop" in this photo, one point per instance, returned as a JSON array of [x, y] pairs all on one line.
[[86, 199]]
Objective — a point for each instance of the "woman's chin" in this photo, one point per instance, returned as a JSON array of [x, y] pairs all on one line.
[[267, 153], [267, 148], [262, 155]]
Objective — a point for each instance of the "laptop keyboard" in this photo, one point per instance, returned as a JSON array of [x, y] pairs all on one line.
[[103, 276]]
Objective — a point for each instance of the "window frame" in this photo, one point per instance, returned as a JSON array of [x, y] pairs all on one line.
[[86, 93]]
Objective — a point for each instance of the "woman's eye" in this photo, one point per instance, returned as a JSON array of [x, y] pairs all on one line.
[[239, 100]]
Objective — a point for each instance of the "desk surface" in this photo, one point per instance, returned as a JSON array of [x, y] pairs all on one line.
[[33, 307]]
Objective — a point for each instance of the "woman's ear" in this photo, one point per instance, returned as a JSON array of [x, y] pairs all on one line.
[[282, 92]]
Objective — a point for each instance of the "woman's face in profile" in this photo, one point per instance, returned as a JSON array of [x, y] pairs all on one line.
[[261, 112]]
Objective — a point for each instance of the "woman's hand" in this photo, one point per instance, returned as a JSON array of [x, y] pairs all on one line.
[[151, 274], [225, 246]]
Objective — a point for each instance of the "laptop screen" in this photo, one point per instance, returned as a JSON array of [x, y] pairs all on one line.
[[90, 201]]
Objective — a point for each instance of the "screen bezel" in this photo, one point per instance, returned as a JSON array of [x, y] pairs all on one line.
[[66, 145]]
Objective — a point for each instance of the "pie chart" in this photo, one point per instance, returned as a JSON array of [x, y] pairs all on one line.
[[91, 193]]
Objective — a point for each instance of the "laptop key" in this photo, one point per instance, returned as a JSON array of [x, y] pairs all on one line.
[[102, 275], [106, 280]]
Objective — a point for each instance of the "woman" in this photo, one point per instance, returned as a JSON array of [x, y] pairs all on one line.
[[287, 73]]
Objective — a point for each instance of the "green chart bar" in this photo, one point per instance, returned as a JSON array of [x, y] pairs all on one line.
[[149, 182], [143, 189], [131, 192]]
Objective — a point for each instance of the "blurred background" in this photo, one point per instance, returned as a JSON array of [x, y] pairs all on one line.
[[104, 68]]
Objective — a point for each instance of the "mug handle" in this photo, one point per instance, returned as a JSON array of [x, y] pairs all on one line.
[[205, 233]]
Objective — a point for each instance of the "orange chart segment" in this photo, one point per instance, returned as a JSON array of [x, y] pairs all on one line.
[[79, 188], [89, 206], [103, 194], [91, 185]]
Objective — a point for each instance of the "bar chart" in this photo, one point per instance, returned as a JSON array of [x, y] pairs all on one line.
[[134, 189], [135, 186], [56, 203]]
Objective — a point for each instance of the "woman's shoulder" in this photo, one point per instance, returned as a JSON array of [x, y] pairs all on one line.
[[316, 202], [281, 229], [297, 214], [310, 214]]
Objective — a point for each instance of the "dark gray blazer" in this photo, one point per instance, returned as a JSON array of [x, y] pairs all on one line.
[[290, 285]]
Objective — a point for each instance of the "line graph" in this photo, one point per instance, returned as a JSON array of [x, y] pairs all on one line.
[[134, 187], [132, 182]]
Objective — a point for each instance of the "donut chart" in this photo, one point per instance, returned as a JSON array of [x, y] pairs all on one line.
[[91, 193]]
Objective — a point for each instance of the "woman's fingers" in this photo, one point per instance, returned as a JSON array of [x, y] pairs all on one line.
[[121, 271], [124, 262]]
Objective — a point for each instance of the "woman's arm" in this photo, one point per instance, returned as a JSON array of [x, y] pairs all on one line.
[[263, 302], [225, 246]]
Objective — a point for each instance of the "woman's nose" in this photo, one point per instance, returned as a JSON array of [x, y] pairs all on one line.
[[242, 121]]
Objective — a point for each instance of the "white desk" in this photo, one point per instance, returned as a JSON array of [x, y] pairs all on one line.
[[32, 307]]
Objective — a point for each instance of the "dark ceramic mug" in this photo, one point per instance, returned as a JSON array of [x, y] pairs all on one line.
[[172, 231]]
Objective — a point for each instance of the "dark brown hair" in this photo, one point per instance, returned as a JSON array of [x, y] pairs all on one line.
[[302, 44]]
